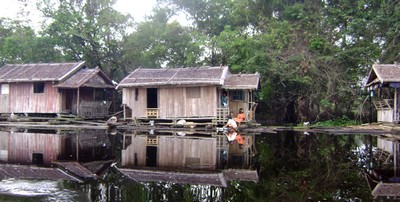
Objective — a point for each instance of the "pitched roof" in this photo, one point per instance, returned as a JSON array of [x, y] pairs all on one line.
[[200, 76], [38, 72], [242, 81], [386, 189], [384, 73], [175, 76], [94, 78], [182, 177], [33, 172]]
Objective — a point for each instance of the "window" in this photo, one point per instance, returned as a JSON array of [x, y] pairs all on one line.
[[5, 89], [136, 94], [193, 92], [38, 87], [237, 95]]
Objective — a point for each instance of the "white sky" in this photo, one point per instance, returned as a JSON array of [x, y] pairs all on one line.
[[137, 8]]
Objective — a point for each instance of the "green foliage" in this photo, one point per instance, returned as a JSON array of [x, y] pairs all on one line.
[[310, 54], [342, 121], [157, 43]]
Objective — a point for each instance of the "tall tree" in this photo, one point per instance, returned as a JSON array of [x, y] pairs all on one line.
[[159, 43], [89, 30]]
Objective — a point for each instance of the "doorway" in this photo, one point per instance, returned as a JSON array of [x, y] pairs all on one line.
[[152, 98], [151, 156]]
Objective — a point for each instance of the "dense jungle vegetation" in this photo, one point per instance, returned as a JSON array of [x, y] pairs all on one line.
[[312, 55]]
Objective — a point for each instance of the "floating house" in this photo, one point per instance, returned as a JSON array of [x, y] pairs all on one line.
[[384, 80], [54, 88], [187, 93]]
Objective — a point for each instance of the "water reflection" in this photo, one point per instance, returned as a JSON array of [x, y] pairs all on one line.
[[154, 165], [109, 163], [382, 167]]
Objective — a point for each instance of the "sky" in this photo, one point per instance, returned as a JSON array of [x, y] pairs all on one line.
[[137, 8]]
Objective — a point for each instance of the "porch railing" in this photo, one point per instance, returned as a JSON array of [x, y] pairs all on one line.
[[94, 109], [152, 112], [222, 115], [384, 104]]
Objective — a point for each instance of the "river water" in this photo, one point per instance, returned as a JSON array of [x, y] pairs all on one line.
[[153, 165]]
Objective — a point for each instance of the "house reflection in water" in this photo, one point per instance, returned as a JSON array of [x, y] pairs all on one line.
[[180, 157], [187, 159], [383, 176], [44, 154]]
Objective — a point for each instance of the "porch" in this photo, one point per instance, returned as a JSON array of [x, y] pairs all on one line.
[[386, 110], [93, 109]]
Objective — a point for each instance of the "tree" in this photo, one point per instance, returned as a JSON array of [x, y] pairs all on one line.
[[158, 43], [20, 44], [89, 30]]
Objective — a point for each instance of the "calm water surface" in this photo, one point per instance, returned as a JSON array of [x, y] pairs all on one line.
[[99, 165]]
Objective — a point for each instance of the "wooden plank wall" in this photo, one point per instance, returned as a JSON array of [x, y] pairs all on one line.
[[4, 106], [385, 145], [22, 145], [4, 146], [385, 115], [174, 102], [174, 152], [186, 152], [138, 106], [22, 99], [138, 146]]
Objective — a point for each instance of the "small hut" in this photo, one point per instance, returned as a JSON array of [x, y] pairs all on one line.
[[187, 93], [385, 80], [54, 88]]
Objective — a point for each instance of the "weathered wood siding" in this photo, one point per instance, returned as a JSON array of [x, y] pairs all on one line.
[[385, 115], [4, 146], [174, 102], [138, 106], [173, 152], [23, 99], [23, 145], [386, 145], [187, 152], [177, 102], [138, 147], [4, 103]]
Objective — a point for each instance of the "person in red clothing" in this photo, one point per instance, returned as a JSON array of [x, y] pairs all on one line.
[[240, 117], [240, 140]]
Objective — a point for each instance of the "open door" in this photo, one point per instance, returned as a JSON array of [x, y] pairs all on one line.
[[152, 98]]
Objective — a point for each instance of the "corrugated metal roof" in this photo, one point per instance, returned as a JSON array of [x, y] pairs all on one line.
[[384, 73], [175, 76], [94, 78], [242, 81], [38, 72]]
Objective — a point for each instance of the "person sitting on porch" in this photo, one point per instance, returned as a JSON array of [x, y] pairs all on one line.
[[231, 123], [240, 117], [224, 99]]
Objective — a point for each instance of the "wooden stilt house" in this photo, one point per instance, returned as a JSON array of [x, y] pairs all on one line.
[[383, 84], [54, 88], [187, 93]]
